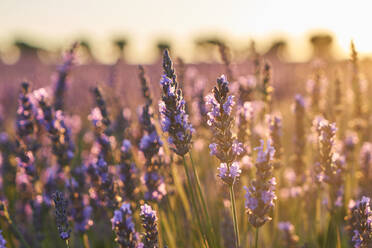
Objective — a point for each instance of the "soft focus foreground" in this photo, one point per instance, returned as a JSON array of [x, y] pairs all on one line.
[[255, 153]]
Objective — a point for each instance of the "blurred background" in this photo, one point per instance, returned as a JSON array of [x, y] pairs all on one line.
[[295, 29]]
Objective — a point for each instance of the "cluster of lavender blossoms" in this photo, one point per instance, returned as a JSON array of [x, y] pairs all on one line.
[[174, 119], [260, 196], [25, 127], [102, 183], [151, 147], [124, 228], [332, 165], [80, 211], [127, 171], [149, 219], [275, 126], [360, 223], [225, 147], [61, 205], [299, 141], [61, 80], [60, 135], [104, 143]]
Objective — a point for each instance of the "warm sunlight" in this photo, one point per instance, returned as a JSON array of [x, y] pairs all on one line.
[[184, 20]]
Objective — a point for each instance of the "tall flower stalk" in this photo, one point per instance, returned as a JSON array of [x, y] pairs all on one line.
[[61, 205], [60, 135], [225, 146], [260, 196], [61, 81], [299, 141], [331, 165], [175, 122]]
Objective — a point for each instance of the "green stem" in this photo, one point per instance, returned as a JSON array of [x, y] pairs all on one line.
[[191, 190], [201, 196], [256, 240], [233, 210]]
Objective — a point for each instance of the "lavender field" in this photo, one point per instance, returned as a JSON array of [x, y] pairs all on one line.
[[255, 152]]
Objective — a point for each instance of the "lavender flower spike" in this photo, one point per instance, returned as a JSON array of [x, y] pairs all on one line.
[[61, 215], [151, 147], [260, 196], [123, 226], [174, 119], [225, 147], [360, 223], [149, 220]]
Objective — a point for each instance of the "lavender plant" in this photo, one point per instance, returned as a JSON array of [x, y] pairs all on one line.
[[225, 147], [63, 71], [124, 228], [127, 172], [53, 121], [61, 206], [149, 223], [175, 122], [260, 195], [174, 119], [275, 126], [360, 223]]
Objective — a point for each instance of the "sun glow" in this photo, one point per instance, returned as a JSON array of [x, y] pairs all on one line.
[[143, 21]]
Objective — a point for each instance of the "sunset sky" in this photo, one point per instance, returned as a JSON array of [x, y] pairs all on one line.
[[53, 22]]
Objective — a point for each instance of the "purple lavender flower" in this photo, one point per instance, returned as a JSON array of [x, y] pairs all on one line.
[[127, 171], [25, 127], [104, 185], [299, 141], [61, 215], [104, 142], [332, 165], [60, 135], [225, 147], [63, 71], [174, 119], [124, 228], [144, 85], [360, 223], [81, 211], [275, 126], [155, 185], [229, 174], [149, 219], [244, 123], [25, 121], [151, 147], [260, 196], [102, 107]]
